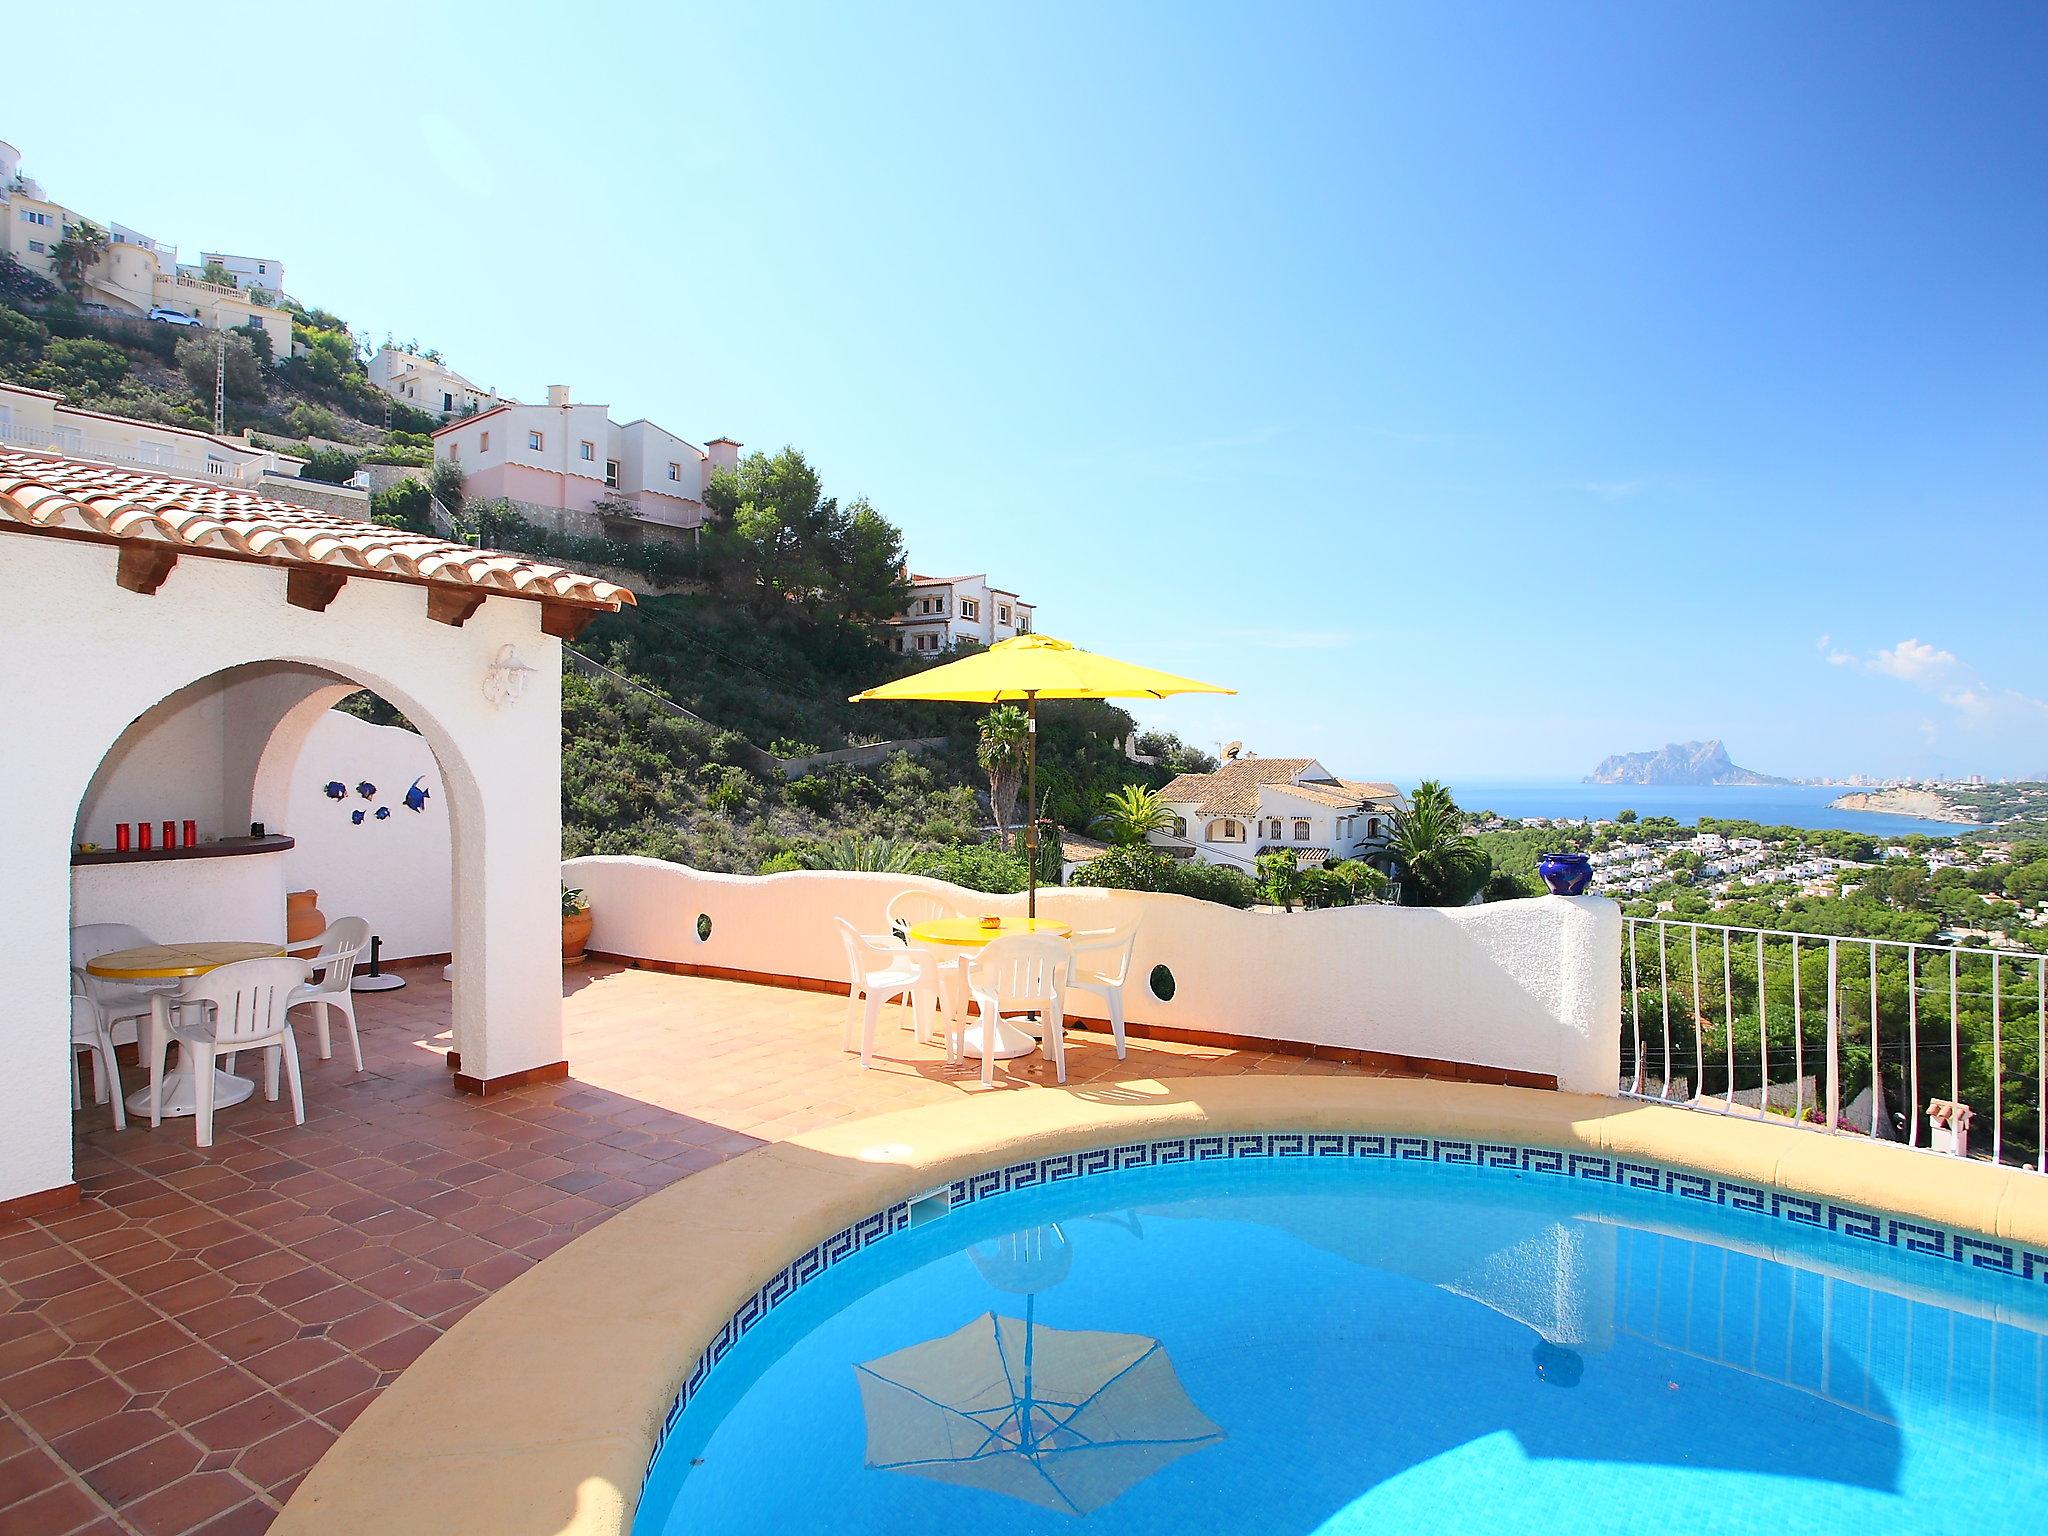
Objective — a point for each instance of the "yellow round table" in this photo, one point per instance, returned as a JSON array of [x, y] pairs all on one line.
[[162, 962], [159, 962], [968, 933]]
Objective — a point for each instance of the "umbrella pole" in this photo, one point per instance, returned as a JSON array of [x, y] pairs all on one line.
[[1031, 803]]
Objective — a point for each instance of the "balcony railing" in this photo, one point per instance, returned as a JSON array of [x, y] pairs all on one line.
[[183, 463], [1854, 1036]]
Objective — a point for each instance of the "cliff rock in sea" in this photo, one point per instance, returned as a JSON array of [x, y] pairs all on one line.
[[1682, 762]]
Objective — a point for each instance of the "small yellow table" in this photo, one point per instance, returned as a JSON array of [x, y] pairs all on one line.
[[968, 933], [159, 962], [163, 962]]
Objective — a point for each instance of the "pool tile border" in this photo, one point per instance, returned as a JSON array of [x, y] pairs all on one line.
[[1909, 1236]]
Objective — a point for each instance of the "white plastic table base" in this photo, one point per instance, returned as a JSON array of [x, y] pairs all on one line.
[[1012, 1041], [181, 1096]]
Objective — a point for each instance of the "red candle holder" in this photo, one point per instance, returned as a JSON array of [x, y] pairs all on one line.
[[170, 834], [191, 837], [121, 836], [142, 836]]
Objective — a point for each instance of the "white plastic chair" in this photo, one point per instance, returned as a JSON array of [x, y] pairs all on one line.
[[119, 1002], [879, 969], [90, 1032], [1020, 973], [906, 910], [333, 967], [233, 1008], [1102, 964]]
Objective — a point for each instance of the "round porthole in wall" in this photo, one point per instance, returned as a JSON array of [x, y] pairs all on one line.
[[1161, 981], [703, 927]]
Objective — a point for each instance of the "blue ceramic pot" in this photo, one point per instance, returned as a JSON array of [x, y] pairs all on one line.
[[1567, 874]]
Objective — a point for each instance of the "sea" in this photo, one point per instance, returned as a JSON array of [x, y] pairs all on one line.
[[1778, 805]]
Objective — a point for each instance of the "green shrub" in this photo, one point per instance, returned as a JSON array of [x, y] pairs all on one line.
[[977, 867], [21, 339], [1139, 868], [198, 353], [82, 366], [330, 465], [402, 506], [782, 863], [813, 792], [312, 421]]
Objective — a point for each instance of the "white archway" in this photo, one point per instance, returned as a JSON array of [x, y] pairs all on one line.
[[84, 658]]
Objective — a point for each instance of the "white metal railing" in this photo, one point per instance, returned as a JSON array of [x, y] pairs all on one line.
[[246, 467], [1830, 1030]]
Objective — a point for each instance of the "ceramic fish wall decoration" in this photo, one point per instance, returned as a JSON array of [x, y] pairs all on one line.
[[417, 796], [356, 817], [335, 789], [383, 813], [367, 790]]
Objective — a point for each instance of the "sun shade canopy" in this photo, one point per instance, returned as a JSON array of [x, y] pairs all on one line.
[[1036, 666]]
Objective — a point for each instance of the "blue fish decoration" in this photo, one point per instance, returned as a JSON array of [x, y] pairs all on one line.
[[416, 797], [336, 790], [383, 813], [356, 817], [367, 790]]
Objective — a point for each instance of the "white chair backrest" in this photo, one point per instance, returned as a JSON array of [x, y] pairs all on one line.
[[340, 947], [91, 940], [911, 907], [1108, 954], [861, 956], [1020, 969], [248, 997]]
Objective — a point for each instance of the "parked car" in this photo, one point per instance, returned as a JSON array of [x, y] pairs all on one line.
[[172, 316]]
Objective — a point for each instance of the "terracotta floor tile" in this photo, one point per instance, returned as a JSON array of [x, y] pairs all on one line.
[[180, 1506], [56, 1511], [137, 1473]]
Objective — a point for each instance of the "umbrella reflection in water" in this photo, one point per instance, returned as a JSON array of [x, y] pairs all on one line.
[[1065, 1419]]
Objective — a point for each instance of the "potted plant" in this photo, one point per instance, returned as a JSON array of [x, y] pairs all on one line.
[[575, 925]]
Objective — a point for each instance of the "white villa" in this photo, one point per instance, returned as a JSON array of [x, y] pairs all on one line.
[[249, 272], [429, 384], [945, 610], [573, 468], [1255, 805]]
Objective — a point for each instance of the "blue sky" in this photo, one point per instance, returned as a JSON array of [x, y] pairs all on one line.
[[1479, 389]]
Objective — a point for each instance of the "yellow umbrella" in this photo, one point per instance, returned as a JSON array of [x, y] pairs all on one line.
[[1030, 668]]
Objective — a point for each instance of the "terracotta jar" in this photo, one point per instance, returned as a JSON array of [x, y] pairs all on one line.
[[303, 920], [575, 934]]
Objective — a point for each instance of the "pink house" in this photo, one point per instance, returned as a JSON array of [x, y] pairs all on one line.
[[563, 459]]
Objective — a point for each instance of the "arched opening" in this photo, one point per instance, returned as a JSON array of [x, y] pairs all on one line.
[[1226, 831], [264, 787], [1300, 830]]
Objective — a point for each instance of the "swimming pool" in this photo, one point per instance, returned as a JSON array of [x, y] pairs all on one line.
[[1363, 1344]]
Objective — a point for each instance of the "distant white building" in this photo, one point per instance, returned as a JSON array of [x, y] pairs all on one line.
[[428, 384], [573, 468], [945, 610], [39, 419], [1255, 805], [249, 272]]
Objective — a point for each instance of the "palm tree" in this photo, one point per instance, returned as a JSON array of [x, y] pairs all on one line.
[[77, 253], [1005, 737], [1439, 865], [1132, 814]]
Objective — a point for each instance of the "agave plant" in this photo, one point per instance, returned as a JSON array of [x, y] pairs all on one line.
[[870, 854]]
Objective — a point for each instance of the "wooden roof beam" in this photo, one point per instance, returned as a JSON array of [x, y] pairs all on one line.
[[313, 587], [453, 605], [143, 566]]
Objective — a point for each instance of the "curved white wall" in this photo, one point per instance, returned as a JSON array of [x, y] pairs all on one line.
[[1534, 986]]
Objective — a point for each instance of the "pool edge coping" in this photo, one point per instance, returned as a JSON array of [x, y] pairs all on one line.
[[538, 1411]]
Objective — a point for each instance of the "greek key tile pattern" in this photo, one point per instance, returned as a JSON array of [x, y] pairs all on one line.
[[1800, 1210]]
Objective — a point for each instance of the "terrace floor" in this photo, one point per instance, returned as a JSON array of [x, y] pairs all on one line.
[[177, 1350]]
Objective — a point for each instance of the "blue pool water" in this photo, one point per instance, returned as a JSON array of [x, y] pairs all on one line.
[[1365, 1345]]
